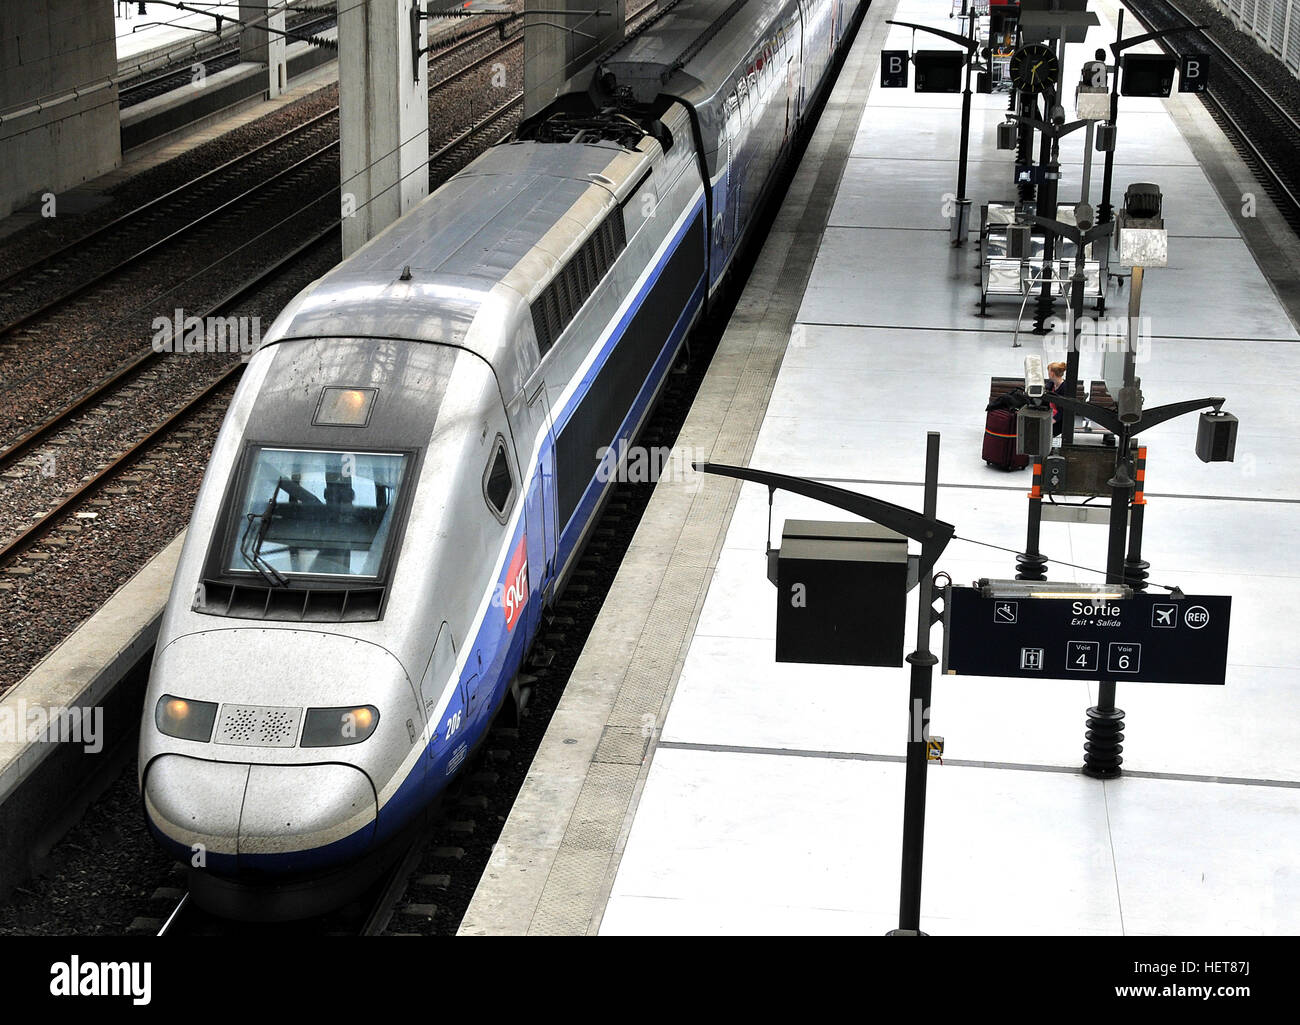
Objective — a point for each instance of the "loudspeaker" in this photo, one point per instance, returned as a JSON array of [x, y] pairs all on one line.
[[1008, 134], [1216, 438], [1033, 431], [1105, 138]]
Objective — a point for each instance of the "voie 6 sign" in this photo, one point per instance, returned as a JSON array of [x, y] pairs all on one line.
[[1043, 631]]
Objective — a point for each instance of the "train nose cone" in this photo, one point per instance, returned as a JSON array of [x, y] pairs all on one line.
[[260, 818], [194, 806], [302, 817]]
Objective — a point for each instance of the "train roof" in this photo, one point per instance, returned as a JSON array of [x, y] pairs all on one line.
[[683, 50], [493, 224]]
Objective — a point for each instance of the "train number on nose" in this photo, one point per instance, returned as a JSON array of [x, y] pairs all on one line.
[[516, 584]]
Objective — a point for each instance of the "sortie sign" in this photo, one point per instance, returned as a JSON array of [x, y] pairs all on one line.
[[1146, 638]]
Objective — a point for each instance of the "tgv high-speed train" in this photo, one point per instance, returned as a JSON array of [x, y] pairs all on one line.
[[410, 464]]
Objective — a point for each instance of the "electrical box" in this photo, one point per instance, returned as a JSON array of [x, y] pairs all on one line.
[[1147, 74], [841, 594], [1080, 469], [939, 71]]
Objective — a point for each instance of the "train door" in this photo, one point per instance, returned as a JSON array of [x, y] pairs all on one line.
[[437, 677], [738, 164], [477, 691], [540, 510], [723, 216], [789, 71]]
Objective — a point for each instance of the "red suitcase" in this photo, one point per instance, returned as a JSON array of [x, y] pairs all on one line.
[[1000, 441]]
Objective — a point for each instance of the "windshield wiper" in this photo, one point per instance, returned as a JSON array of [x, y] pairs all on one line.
[[250, 544]]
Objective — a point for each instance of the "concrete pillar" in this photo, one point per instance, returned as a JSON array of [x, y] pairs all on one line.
[[383, 118], [557, 45], [259, 46], [58, 104]]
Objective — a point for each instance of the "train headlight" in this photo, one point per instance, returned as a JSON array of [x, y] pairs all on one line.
[[338, 727], [188, 720]]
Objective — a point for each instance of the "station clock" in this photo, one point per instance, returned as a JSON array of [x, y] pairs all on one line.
[[1035, 68]]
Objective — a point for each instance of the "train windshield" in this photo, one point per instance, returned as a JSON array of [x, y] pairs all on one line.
[[318, 513]]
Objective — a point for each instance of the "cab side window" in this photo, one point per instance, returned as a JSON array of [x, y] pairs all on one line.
[[498, 485]]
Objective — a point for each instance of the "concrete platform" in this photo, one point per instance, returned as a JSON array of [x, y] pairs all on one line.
[[74, 716], [691, 784]]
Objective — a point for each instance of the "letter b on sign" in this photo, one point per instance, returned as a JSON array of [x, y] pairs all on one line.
[[1193, 73], [893, 69]]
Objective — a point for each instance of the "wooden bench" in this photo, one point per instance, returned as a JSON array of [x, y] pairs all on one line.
[[1099, 395]]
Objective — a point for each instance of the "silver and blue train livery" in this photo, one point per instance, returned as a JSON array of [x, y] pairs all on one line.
[[409, 466]]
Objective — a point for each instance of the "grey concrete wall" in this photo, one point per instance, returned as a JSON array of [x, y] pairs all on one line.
[[557, 45], [50, 138]]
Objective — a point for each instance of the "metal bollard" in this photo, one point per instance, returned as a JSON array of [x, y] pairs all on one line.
[[960, 222]]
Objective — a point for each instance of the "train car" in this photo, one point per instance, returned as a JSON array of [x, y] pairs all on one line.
[[412, 460]]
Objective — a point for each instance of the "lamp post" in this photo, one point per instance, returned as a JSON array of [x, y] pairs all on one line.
[[934, 535], [1106, 722], [1031, 564], [1082, 233], [1053, 128], [1104, 211]]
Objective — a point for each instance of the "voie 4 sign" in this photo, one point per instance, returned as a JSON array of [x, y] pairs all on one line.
[[1144, 638]]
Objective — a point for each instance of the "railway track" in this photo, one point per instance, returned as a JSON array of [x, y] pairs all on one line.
[[1265, 133], [106, 392], [143, 231]]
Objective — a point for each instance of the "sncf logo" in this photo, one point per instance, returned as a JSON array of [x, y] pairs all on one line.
[[516, 584]]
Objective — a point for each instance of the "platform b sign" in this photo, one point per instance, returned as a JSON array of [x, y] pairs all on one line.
[[893, 69], [1193, 73]]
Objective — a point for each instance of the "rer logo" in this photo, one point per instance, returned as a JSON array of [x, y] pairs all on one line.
[[1197, 617], [516, 584]]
